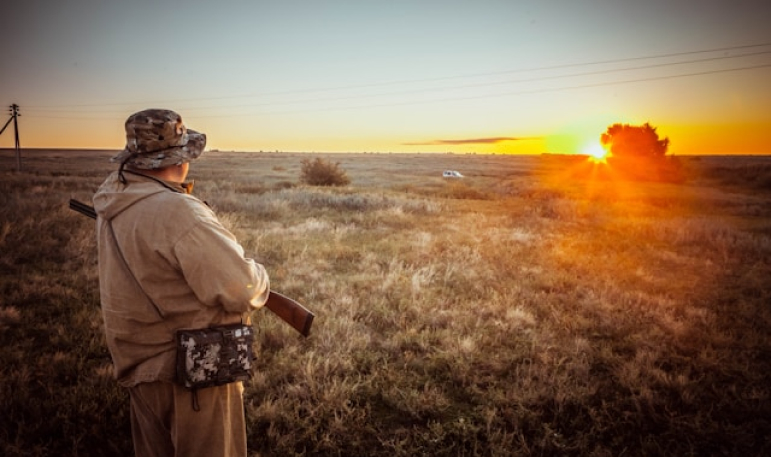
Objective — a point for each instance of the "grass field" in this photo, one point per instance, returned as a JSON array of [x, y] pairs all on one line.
[[539, 306]]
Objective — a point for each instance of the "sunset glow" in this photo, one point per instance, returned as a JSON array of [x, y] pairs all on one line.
[[597, 153], [345, 76]]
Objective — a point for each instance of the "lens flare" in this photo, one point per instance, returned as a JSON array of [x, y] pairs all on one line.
[[596, 153]]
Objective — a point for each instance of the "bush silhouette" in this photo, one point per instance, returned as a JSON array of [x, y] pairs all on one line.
[[638, 154], [320, 172], [626, 140]]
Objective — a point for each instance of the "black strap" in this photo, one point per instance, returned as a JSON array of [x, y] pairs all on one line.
[[196, 406], [120, 169]]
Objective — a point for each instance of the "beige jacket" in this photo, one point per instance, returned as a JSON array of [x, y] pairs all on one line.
[[190, 273]]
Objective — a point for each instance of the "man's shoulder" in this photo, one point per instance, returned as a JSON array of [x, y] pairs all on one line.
[[173, 204]]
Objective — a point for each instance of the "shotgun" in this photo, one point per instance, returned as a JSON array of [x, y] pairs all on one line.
[[291, 312]]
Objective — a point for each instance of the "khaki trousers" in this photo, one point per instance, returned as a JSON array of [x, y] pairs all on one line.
[[164, 424]]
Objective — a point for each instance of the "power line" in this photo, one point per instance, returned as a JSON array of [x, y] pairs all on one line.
[[453, 99], [498, 95], [496, 83], [68, 108]]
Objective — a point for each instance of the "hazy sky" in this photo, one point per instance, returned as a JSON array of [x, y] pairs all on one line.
[[421, 75]]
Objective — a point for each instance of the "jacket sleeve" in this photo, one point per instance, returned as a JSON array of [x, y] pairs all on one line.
[[215, 268]]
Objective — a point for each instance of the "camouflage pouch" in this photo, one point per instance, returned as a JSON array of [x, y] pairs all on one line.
[[214, 356]]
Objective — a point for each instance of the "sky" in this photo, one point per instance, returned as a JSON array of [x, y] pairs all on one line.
[[482, 76]]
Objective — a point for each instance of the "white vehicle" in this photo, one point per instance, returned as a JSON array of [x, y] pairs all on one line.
[[451, 174]]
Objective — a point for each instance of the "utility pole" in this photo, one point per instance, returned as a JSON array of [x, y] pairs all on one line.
[[15, 111], [14, 115]]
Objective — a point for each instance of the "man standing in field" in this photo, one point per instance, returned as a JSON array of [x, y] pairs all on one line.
[[167, 263]]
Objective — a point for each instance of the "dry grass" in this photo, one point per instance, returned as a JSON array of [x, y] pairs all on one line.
[[530, 309]]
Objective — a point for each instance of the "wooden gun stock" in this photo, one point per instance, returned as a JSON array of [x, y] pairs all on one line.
[[291, 312]]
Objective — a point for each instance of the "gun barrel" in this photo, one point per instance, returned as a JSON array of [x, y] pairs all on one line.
[[82, 208]]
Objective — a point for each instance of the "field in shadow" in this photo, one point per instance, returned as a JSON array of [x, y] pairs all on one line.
[[541, 305]]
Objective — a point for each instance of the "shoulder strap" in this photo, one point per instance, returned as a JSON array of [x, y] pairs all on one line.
[[128, 268], [194, 397]]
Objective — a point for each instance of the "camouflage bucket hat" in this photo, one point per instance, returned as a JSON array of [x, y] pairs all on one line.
[[157, 138]]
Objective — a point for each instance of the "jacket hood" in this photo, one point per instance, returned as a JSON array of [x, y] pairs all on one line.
[[114, 196]]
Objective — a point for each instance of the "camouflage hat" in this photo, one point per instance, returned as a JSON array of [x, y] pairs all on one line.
[[157, 138]]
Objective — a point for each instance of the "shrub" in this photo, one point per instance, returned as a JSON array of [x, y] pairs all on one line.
[[320, 172], [634, 141]]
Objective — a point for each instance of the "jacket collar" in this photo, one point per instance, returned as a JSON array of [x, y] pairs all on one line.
[[182, 188]]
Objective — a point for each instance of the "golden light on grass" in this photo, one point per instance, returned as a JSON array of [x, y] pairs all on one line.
[[548, 305]]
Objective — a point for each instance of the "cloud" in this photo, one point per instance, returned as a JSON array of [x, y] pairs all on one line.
[[493, 140]]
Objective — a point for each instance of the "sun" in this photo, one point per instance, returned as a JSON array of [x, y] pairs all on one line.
[[596, 153]]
